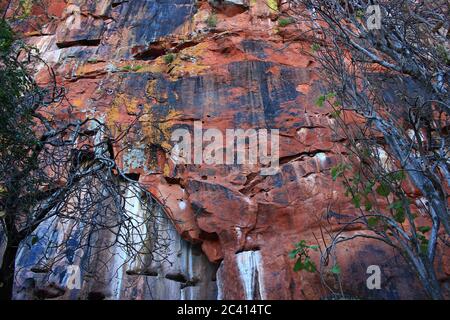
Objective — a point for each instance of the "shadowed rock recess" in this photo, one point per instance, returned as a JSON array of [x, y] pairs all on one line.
[[230, 228]]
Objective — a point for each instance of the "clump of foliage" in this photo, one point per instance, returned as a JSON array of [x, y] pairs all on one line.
[[132, 68], [18, 98], [212, 20], [284, 22], [301, 253], [315, 47], [6, 37], [25, 7], [169, 58], [304, 261]]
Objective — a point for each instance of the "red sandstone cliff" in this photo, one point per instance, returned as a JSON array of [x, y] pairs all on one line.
[[242, 72]]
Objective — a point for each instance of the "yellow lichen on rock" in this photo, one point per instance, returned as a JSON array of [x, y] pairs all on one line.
[[273, 4], [156, 93], [158, 130], [188, 62], [129, 104], [166, 170]]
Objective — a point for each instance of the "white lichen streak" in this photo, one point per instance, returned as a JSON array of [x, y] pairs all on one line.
[[134, 210], [250, 268]]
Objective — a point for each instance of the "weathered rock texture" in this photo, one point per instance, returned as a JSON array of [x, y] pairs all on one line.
[[244, 72], [66, 268]]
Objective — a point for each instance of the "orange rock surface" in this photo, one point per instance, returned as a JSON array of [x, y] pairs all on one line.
[[243, 72]]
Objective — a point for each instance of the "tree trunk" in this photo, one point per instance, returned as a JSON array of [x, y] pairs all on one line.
[[427, 276], [434, 290], [7, 271], [432, 286]]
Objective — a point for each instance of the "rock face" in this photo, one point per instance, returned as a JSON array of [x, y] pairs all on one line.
[[244, 72], [184, 273], [230, 7]]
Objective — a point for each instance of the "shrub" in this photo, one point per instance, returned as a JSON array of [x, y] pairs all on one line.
[[169, 58], [211, 21], [131, 68], [301, 254], [6, 37], [283, 22]]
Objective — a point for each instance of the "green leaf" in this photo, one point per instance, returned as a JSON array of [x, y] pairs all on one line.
[[310, 266], [356, 199], [399, 215], [335, 114], [293, 254], [356, 178], [368, 187], [424, 248], [315, 47], [303, 260], [301, 244], [320, 101], [383, 190], [368, 206], [334, 173], [421, 237], [396, 205], [372, 222], [34, 240], [360, 14], [336, 269], [299, 265], [424, 229], [330, 95], [399, 176], [338, 170]]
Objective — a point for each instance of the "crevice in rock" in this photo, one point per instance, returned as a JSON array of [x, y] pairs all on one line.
[[255, 248], [40, 269], [152, 53], [83, 42], [117, 3], [209, 236], [161, 48], [253, 179], [298, 156], [178, 277], [230, 7], [145, 272], [50, 292], [132, 176], [172, 180], [190, 283]]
